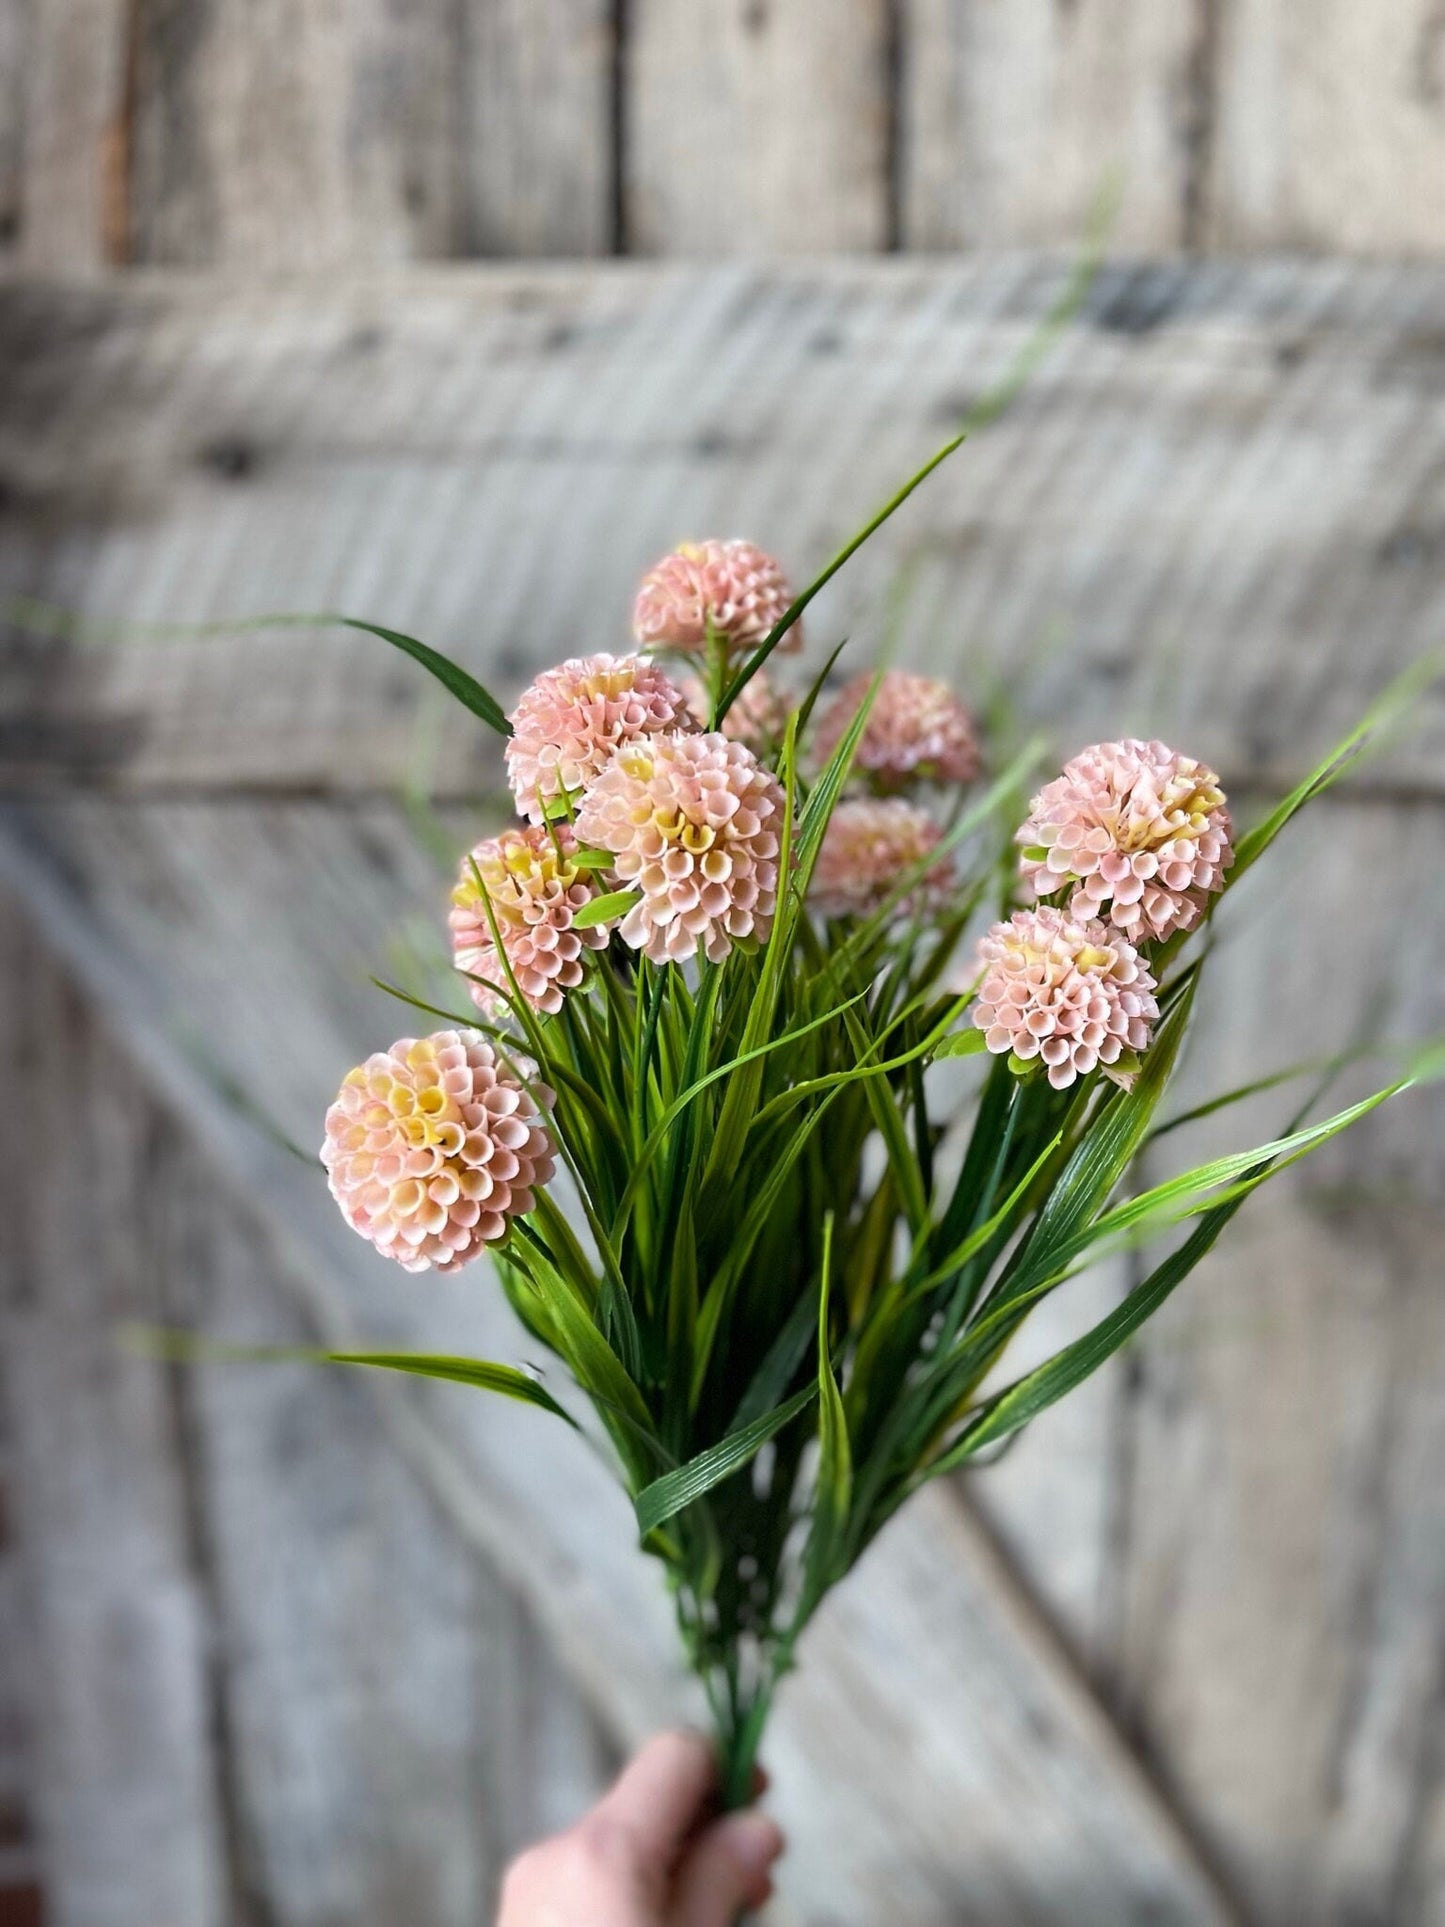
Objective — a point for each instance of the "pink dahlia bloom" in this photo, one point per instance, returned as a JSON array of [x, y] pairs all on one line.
[[735, 585], [868, 844], [1072, 994], [758, 718], [535, 890], [1137, 834], [568, 723], [917, 730], [433, 1147], [694, 824]]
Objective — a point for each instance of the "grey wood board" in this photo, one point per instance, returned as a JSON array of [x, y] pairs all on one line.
[[756, 128], [297, 136], [1328, 129], [271, 1683], [991, 1789], [1214, 513], [1014, 121]]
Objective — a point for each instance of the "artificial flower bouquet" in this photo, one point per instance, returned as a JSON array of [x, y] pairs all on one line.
[[701, 1114]]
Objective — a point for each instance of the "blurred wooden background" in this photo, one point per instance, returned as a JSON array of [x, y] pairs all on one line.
[[316, 135], [282, 1650]]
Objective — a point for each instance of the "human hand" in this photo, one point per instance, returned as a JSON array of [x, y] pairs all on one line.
[[651, 1853]]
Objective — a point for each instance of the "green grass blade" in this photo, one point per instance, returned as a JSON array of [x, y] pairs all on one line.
[[664, 1498]]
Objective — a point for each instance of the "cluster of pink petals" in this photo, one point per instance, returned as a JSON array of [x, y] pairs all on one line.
[[758, 717], [868, 845], [693, 822], [733, 586], [1072, 994], [433, 1147], [573, 717], [917, 730], [1139, 834], [535, 889]]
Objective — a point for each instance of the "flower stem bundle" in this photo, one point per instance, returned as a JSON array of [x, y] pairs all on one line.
[[704, 1110]]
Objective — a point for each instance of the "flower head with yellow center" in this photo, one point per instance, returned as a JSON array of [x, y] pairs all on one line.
[[917, 731], [1073, 995], [530, 880], [433, 1147], [694, 825], [731, 590], [1136, 833], [573, 717]]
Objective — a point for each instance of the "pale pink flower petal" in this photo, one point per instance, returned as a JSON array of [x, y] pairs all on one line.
[[535, 889], [694, 825], [1072, 994], [868, 845], [734, 585], [758, 718], [573, 717], [433, 1147], [1136, 833], [917, 730]]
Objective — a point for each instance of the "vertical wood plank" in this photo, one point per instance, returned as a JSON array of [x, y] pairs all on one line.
[[536, 127], [374, 1723], [14, 19], [127, 1796], [1330, 127], [756, 126], [1013, 112], [292, 134], [73, 134], [1283, 1575]]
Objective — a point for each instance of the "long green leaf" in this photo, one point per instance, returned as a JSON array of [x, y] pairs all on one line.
[[665, 1497], [193, 1348]]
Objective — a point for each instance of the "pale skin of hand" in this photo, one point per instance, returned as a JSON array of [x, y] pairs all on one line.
[[652, 1853]]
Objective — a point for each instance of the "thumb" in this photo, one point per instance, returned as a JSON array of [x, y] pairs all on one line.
[[726, 1870]]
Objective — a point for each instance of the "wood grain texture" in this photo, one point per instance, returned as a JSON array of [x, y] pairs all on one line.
[[1329, 127], [272, 1683], [983, 1783], [14, 18], [293, 135], [1014, 118], [72, 199], [756, 127], [1217, 508]]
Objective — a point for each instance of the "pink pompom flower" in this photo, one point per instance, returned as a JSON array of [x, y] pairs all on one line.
[[694, 824], [868, 845], [758, 718], [734, 586], [573, 717], [1138, 834], [433, 1147], [917, 730], [1073, 994], [535, 890]]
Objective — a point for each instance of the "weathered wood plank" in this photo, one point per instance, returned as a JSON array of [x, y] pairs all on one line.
[[14, 18], [295, 136], [756, 127], [952, 1808], [1012, 119], [72, 189], [127, 1794], [378, 1727], [537, 136], [1215, 511], [1329, 127], [1282, 1540]]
